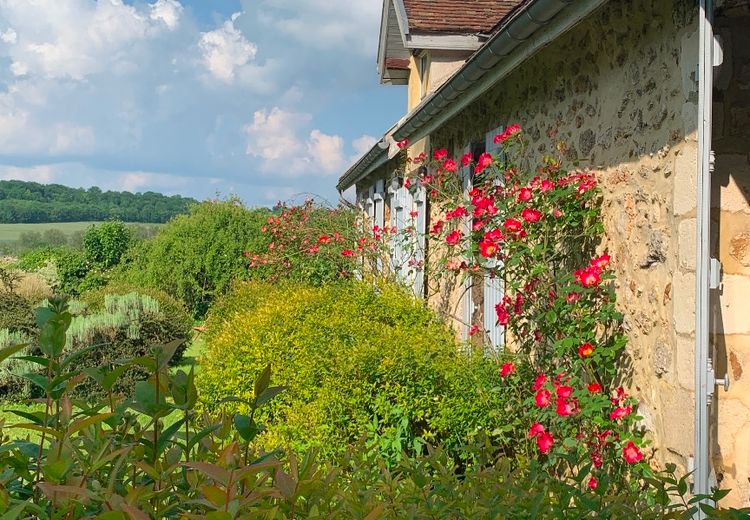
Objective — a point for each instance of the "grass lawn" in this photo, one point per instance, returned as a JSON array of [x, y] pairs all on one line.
[[12, 232]]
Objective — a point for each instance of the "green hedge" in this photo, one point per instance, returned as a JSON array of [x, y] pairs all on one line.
[[358, 360]]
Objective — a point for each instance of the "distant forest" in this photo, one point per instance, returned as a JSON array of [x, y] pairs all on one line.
[[30, 203]]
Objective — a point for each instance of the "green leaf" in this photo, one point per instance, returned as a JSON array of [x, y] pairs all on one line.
[[9, 351], [263, 380], [13, 514], [246, 427], [38, 379], [167, 435], [269, 394], [111, 378], [145, 399]]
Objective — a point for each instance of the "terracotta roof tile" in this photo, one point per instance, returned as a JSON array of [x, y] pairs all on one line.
[[397, 63], [460, 16]]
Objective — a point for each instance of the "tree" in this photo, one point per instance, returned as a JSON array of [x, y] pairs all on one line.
[[104, 245]]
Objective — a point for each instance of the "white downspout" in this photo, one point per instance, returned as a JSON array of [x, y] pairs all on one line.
[[703, 386]]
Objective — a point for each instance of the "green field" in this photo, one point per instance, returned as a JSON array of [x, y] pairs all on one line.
[[12, 232]]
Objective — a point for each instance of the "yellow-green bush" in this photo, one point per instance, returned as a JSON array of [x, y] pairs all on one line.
[[357, 360]]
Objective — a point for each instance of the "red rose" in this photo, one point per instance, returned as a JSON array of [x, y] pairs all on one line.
[[466, 159], [487, 248], [542, 398], [564, 408], [347, 252], [512, 225], [535, 430], [484, 161], [403, 144], [586, 350], [601, 262], [524, 195], [593, 483], [531, 215], [539, 382], [440, 154], [547, 185], [563, 392], [620, 412], [449, 165], [545, 441], [454, 237], [507, 369], [631, 453], [595, 388]]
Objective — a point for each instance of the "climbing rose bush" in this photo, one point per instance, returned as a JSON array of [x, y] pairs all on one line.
[[316, 244], [537, 230]]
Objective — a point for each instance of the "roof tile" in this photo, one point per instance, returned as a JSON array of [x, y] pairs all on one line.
[[458, 16]]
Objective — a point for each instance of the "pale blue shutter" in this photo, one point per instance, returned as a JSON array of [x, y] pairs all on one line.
[[378, 199], [493, 287], [420, 206], [467, 300], [401, 206]]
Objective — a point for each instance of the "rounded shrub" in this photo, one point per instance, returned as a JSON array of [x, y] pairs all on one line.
[[120, 323], [195, 257], [358, 360]]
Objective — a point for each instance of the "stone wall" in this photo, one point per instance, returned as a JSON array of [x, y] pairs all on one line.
[[731, 245], [620, 90]]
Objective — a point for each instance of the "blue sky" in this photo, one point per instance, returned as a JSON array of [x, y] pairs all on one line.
[[267, 99]]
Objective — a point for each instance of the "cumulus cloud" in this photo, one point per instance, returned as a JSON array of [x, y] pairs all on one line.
[[167, 11], [225, 50], [363, 144], [143, 94], [342, 25], [278, 138], [75, 38]]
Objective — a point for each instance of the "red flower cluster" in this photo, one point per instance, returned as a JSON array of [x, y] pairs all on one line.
[[507, 134], [507, 369], [544, 439], [591, 276], [402, 144], [454, 237]]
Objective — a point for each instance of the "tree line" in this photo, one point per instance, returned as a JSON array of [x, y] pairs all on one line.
[[24, 202]]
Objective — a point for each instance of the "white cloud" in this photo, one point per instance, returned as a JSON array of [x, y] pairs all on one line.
[[226, 50], [363, 144], [326, 151], [142, 93], [168, 11], [8, 36], [76, 38], [43, 174], [344, 25], [275, 137]]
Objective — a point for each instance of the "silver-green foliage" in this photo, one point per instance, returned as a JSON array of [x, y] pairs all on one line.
[[12, 368], [120, 313]]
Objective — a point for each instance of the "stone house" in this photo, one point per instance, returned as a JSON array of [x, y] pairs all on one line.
[[655, 96]]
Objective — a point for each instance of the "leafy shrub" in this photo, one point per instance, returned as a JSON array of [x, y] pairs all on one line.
[[181, 464], [105, 244], [16, 313], [356, 359], [196, 257], [315, 245], [111, 326], [36, 258]]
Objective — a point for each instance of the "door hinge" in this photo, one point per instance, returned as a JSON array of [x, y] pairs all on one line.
[[713, 382], [714, 274]]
